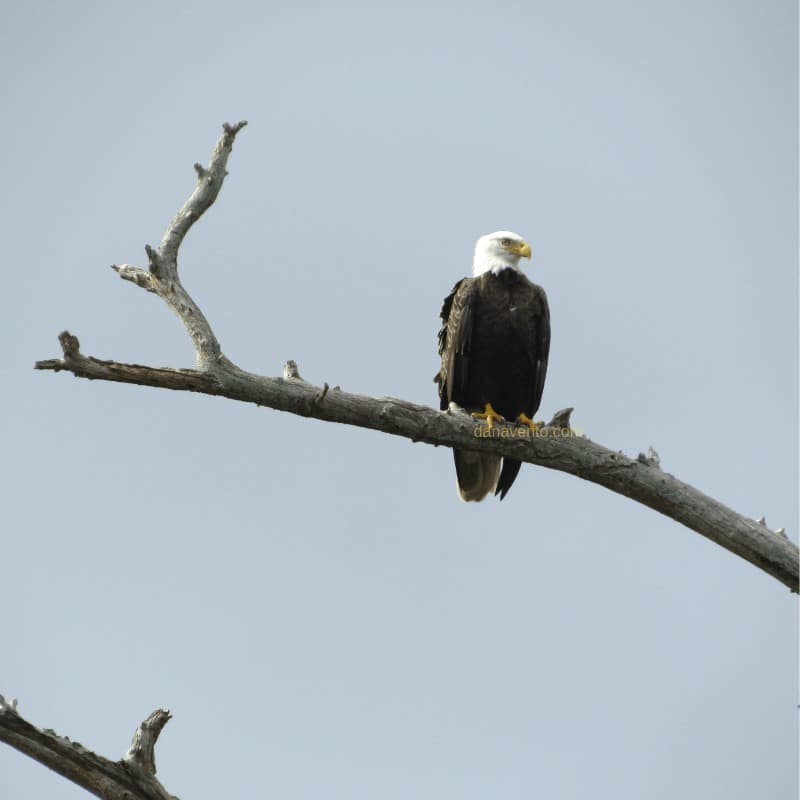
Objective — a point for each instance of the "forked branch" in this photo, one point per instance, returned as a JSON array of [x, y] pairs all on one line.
[[556, 447], [132, 778], [162, 276]]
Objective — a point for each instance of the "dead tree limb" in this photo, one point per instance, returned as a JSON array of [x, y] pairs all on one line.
[[556, 447], [132, 778]]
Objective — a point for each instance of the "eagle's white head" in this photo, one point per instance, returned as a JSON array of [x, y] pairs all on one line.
[[498, 251]]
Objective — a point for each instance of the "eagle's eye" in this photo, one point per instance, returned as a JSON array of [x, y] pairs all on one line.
[[505, 242]]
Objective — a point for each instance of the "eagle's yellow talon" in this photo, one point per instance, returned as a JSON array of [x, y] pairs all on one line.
[[524, 419], [490, 415]]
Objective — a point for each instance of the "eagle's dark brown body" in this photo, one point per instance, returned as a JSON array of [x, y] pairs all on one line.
[[494, 343]]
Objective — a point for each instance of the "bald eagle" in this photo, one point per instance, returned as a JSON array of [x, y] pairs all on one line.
[[494, 343]]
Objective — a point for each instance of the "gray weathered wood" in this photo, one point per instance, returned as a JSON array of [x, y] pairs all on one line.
[[639, 479], [132, 778], [558, 448]]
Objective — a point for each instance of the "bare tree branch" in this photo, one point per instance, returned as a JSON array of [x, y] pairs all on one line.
[[132, 778], [556, 447], [162, 277]]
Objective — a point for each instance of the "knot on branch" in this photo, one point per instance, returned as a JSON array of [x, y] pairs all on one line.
[[316, 400], [561, 418], [153, 259], [8, 706], [388, 414], [652, 459], [290, 371], [762, 521], [320, 395], [70, 345]]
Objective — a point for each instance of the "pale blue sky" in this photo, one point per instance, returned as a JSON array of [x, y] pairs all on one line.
[[322, 614]]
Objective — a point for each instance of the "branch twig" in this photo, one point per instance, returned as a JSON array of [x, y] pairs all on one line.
[[162, 277], [555, 448]]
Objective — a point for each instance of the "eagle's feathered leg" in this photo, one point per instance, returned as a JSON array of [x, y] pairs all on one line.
[[490, 415]]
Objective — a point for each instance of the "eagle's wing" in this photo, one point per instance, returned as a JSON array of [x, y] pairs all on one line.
[[455, 342], [540, 349], [476, 473], [533, 329]]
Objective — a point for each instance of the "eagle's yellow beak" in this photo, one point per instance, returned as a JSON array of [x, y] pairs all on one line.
[[523, 250]]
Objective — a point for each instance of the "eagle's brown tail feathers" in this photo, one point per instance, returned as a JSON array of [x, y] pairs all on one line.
[[477, 474]]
